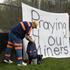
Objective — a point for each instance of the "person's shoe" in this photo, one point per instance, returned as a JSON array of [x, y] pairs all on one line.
[[23, 64], [8, 61]]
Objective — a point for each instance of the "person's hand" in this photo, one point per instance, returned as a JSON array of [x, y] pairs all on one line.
[[29, 38]]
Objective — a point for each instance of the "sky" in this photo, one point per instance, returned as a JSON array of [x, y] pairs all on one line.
[[1, 1]]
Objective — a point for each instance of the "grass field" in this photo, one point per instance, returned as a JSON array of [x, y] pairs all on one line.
[[48, 64]]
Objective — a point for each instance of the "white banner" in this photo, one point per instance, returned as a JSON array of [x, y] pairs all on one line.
[[52, 37]]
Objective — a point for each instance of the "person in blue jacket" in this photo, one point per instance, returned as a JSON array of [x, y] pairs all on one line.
[[16, 35]]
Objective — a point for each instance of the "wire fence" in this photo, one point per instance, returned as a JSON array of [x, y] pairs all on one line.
[[10, 15]]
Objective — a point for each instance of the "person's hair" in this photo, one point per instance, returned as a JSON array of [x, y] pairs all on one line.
[[35, 23]]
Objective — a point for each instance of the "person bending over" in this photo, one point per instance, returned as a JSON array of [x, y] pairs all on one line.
[[22, 30]]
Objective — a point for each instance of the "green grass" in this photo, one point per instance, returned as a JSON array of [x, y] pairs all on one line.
[[48, 64]]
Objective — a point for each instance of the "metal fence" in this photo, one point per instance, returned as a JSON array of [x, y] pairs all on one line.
[[9, 16]]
